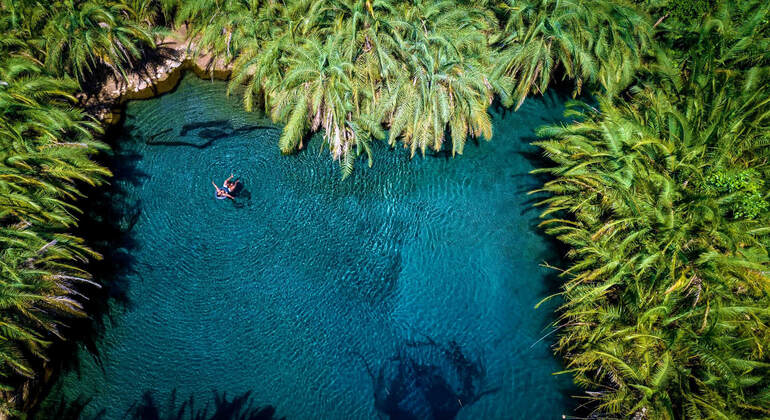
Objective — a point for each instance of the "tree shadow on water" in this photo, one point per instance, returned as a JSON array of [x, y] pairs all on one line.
[[428, 380], [240, 407], [109, 215], [207, 131], [552, 257]]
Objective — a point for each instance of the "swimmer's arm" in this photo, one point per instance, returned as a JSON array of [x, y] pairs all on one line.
[[229, 196], [215, 185]]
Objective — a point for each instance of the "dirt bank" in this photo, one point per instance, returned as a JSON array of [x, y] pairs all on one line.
[[158, 73]]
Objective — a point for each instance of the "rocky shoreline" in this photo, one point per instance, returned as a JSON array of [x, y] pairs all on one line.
[[174, 55]]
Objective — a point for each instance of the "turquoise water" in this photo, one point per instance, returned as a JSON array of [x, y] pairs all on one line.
[[404, 291]]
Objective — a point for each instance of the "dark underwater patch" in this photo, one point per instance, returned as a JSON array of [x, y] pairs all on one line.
[[428, 380]]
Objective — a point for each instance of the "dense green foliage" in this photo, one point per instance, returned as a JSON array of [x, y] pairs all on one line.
[[661, 197], [659, 193], [45, 149], [427, 71]]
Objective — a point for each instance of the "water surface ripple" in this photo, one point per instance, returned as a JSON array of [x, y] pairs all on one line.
[[406, 290]]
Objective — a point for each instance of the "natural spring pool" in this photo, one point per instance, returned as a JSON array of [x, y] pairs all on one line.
[[406, 290]]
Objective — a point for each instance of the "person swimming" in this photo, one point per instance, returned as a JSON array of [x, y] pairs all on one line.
[[222, 193], [228, 188], [230, 185]]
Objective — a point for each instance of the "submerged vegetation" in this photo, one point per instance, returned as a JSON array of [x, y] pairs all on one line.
[[659, 192]]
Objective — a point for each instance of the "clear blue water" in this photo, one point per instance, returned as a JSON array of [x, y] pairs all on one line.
[[405, 290]]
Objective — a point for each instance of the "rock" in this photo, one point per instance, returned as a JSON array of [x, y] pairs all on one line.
[[164, 76]]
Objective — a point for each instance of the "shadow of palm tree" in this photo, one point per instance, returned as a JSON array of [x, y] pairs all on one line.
[[240, 407], [106, 224]]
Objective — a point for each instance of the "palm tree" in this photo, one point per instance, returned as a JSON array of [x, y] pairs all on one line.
[[352, 83], [223, 28], [259, 66], [663, 203], [660, 193], [443, 82], [660, 314], [79, 36], [316, 92], [44, 153], [590, 40]]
